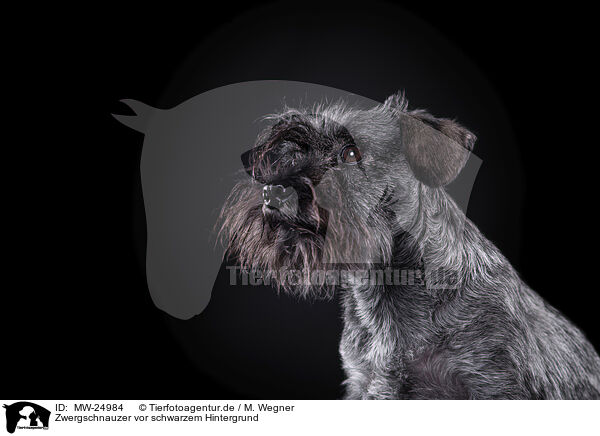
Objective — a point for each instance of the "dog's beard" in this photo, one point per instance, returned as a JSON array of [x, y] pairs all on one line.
[[304, 252]]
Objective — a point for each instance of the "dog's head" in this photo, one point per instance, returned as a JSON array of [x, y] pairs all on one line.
[[330, 188]]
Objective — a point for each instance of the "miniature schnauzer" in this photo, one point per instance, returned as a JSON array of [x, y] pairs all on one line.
[[354, 200]]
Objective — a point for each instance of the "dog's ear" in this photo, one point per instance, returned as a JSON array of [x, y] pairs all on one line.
[[436, 148]]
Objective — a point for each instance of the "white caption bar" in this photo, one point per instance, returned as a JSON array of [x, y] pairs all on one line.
[[157, 417]]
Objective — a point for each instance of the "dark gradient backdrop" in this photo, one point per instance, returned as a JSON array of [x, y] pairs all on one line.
[[511, 75]]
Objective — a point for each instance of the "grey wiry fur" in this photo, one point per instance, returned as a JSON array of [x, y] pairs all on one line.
[[486, 336]]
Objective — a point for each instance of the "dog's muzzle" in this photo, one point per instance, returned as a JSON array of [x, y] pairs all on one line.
[[276, 196]]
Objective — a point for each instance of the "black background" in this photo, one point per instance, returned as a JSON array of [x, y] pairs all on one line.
[[78, 320]]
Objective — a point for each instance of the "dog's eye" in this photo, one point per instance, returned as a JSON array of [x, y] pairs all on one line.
[[350, 154]]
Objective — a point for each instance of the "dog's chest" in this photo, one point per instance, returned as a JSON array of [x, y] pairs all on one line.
[[377, 331], [386, 344]]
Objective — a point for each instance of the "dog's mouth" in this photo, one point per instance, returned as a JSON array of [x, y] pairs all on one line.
[[276, 229], [279, 200], [293, 208]]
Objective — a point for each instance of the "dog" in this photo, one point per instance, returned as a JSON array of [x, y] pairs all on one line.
[[338, 192]]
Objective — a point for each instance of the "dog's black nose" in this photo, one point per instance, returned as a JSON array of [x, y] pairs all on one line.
[[276, 195]]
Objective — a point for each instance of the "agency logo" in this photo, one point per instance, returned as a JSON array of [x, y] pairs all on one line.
[[26, 415]]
